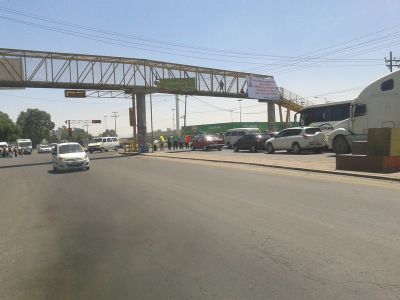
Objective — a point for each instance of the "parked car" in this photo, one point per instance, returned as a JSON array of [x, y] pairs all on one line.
[[232, 135], [206, 142], [251, 141], [69, 156], [104, 144], [297, 139], [42, 148]]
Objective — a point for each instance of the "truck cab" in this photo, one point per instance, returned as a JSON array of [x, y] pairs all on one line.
[[377, 106]]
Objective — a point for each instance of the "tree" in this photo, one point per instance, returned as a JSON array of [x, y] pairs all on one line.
[[8, 130], [109, 132], [35, 124], [78, 135]]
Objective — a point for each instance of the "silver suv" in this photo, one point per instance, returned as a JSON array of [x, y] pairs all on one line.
[[296, 139]]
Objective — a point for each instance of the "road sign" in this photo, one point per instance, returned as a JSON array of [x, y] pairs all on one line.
[[178, 84], [96, 121], [75, 93]]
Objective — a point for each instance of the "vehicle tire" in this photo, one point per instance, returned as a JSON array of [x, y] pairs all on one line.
[[192, 147], [340, 145], [205, 148], [219, 148], [102, 149], [116, 148], [253, 149], [296, 148], [229, 145], [235, 148], [270, 148]]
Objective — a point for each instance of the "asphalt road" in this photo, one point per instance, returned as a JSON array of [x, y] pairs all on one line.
[[152, 228]]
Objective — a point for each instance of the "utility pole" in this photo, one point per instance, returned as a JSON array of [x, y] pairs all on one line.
[[173, 119], [105, 122], [392, 62], [240, 110], [184, 119], [115, 116], [87, 128], [177, 115]]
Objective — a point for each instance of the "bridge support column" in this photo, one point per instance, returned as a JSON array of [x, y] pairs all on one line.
[[141, 123], [271, 115]]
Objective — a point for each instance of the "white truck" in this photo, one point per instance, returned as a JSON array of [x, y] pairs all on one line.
[[377, 106]]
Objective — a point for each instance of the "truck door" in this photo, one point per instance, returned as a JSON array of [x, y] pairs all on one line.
[[359, 124]]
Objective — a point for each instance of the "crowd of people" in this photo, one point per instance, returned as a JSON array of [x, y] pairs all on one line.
[[175, 142], [10, 152]]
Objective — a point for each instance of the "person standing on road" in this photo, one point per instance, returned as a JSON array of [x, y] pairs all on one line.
[[176, 140], [162, 141], [181, 142], [170, 140], [187, 141], [15, 152]]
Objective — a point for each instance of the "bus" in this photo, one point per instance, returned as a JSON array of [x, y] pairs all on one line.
[[325, 116]]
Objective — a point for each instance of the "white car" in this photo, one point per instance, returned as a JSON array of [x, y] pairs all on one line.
[[296, 139], [70, 156], [104, 144], [44, 149]]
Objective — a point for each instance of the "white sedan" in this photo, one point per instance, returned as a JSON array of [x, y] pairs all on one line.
[[70, 156], [296, 139], [44, 149]]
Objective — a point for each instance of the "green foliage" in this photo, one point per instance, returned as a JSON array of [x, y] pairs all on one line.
[[35, 124], [9, 132], [109, 132]]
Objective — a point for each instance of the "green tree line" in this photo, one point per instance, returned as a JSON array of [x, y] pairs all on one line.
[[36, 125]]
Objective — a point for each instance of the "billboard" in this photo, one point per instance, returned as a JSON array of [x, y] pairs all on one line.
[[262, 88], [178, 84]]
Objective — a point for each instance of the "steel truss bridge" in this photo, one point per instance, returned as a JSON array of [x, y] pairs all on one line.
[[39, 69], [108, 76]]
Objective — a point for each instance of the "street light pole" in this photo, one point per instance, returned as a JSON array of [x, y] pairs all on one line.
[[105, 121], [115, 116], [240, 110], [173, 120]]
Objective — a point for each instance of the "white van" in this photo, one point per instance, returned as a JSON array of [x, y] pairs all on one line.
[[25, 144], [232, 135], [104, 143]]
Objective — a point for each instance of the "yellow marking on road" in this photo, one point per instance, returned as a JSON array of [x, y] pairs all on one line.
[[297, 173]]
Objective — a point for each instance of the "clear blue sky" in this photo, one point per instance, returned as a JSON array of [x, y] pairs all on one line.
[[270, 28]]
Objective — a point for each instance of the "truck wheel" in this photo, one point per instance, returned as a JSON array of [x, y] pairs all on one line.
[[340, 145]]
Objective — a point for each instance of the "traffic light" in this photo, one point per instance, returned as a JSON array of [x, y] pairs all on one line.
[[96, 121]]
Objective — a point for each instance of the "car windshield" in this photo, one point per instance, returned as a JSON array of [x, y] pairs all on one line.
[[70, 148], [97, 140], [24, 144]]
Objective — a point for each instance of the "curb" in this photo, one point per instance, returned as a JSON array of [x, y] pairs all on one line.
[[369, 176]]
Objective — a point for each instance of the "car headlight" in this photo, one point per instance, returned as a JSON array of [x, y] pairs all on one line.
[[85, 157]]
